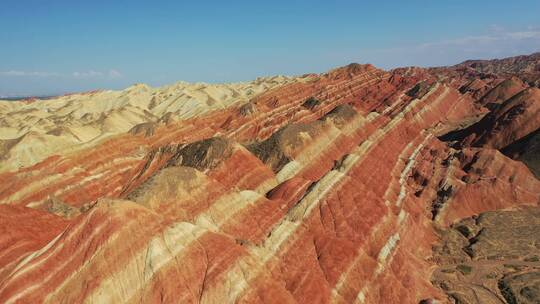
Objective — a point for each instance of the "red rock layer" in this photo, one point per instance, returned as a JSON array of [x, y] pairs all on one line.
[[345, 218]]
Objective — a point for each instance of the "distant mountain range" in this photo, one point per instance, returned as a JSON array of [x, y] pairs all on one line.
[[27, 97]]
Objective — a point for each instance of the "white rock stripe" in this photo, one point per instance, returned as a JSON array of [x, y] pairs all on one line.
[[402, 181], [282, 234], [231, 203], [393, 240], [410, 164], [160, 251], [384, 257]]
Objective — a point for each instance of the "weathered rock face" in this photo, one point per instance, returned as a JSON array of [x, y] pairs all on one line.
[[324, 189]]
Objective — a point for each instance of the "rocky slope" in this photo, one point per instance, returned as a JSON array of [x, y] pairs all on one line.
[[491, 258], [330, 188]]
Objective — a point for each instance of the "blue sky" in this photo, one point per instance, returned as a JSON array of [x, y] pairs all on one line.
[[52, 47]]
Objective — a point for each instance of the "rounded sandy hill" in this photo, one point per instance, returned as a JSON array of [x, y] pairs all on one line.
[[31, 130]]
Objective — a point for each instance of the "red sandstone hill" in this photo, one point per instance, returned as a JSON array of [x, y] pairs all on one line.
[[330, 188]]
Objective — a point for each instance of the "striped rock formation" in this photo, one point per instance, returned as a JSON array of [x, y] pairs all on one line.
[[324, 188]]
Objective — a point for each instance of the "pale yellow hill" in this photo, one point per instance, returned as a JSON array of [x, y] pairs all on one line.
[[32, 131]]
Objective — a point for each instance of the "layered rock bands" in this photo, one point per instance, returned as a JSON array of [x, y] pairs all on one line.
[[330, 188]]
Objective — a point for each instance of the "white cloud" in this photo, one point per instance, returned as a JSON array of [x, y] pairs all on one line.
[[87, 74], [498, 36], [496, 42], [115, 74], [111, 74], [524, 35], [496, 28], [33, 74]]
